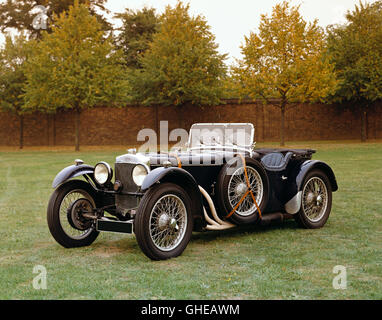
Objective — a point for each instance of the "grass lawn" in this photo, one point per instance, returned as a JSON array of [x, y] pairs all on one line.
[[279, 262]]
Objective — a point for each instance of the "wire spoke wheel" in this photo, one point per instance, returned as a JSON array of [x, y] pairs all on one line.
[[315, 199], [66, 212], [168, 222], [238, 187], [75, 226]]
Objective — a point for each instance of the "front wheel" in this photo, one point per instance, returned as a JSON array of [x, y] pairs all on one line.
[[66, 208], [316, 201], [163, 224]]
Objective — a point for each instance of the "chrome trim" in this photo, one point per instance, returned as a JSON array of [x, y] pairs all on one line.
[[294, 205], [138, 158]]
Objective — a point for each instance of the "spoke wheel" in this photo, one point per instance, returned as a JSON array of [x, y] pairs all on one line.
[[237, 188], [65, 217], [232, 186], [168, 222], [316, 201], [72, 207], [163, 224]]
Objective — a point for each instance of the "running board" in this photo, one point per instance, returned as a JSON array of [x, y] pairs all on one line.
[[106, 225]]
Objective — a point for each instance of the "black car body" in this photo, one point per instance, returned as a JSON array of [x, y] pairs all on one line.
[[221, 181]]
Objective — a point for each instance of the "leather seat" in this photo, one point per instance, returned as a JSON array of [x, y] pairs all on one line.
[[276, 161]]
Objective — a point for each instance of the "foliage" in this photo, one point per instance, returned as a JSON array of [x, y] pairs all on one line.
[[19, 14], [138, 28], [285, 61], [356, 51], [75, 66], [182, 64], [12, 77]]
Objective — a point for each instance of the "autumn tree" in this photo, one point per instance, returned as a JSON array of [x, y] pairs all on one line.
[[182, 64], [355, 48], [20, 14], [136, 33], [284, 63], [12, 78], [74, 67]]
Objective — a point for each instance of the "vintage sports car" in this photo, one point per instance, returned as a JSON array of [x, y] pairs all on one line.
[[222, 181]]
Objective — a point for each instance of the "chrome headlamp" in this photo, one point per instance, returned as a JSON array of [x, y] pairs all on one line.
[[103, 173], [139, 174]]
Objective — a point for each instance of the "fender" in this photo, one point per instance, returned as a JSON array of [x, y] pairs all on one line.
[[184, 179], [316, 164], [71, 172], [295, 188]]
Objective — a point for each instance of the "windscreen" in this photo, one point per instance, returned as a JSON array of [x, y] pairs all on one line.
[[215, 135]]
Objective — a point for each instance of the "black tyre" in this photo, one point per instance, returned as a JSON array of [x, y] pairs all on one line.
[[163, 224], [232, 186], [316, 201], [66, 223]]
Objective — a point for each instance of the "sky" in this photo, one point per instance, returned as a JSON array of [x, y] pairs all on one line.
[[231, 20]]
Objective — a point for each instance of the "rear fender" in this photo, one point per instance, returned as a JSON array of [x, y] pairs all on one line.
[[185, 180], [293, 206]]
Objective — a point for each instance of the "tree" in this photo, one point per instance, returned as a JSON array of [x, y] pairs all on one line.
[[355, 49], [285, 62], [138, 28], [12, 78], [74, 67], [20, 14], [182, 64]]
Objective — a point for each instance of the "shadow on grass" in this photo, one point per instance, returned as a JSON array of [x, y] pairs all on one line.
[[111, 247]]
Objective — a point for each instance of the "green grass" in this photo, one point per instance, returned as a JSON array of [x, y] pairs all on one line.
[[279, 262]]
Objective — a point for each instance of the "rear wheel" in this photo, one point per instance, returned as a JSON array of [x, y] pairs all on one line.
[[316, 201], [164, 224], [66, 208]]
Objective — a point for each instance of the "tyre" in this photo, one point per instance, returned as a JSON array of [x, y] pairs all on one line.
[[232, 186], [163, 224], [66, 206], [316, 201]]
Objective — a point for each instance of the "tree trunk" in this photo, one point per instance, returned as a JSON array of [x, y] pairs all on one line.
[[364, 123], [21, 145], [77, 128], [282, 128], [54, 129]]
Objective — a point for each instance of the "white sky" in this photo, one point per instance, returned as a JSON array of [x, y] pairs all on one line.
[[230, 20]]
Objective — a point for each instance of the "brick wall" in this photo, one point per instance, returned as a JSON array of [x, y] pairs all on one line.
[[120, 126]]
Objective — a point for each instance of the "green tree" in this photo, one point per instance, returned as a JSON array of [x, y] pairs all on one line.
[[136, 33], [182, 64], [74, 67], [12, 78], [355, 48], [19, 14], [285, 62]]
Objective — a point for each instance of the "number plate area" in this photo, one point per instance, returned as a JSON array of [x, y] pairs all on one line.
[[106, 225]]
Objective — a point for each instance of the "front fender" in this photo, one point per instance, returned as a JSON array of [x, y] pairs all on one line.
[[184, 179], [71, 172]]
